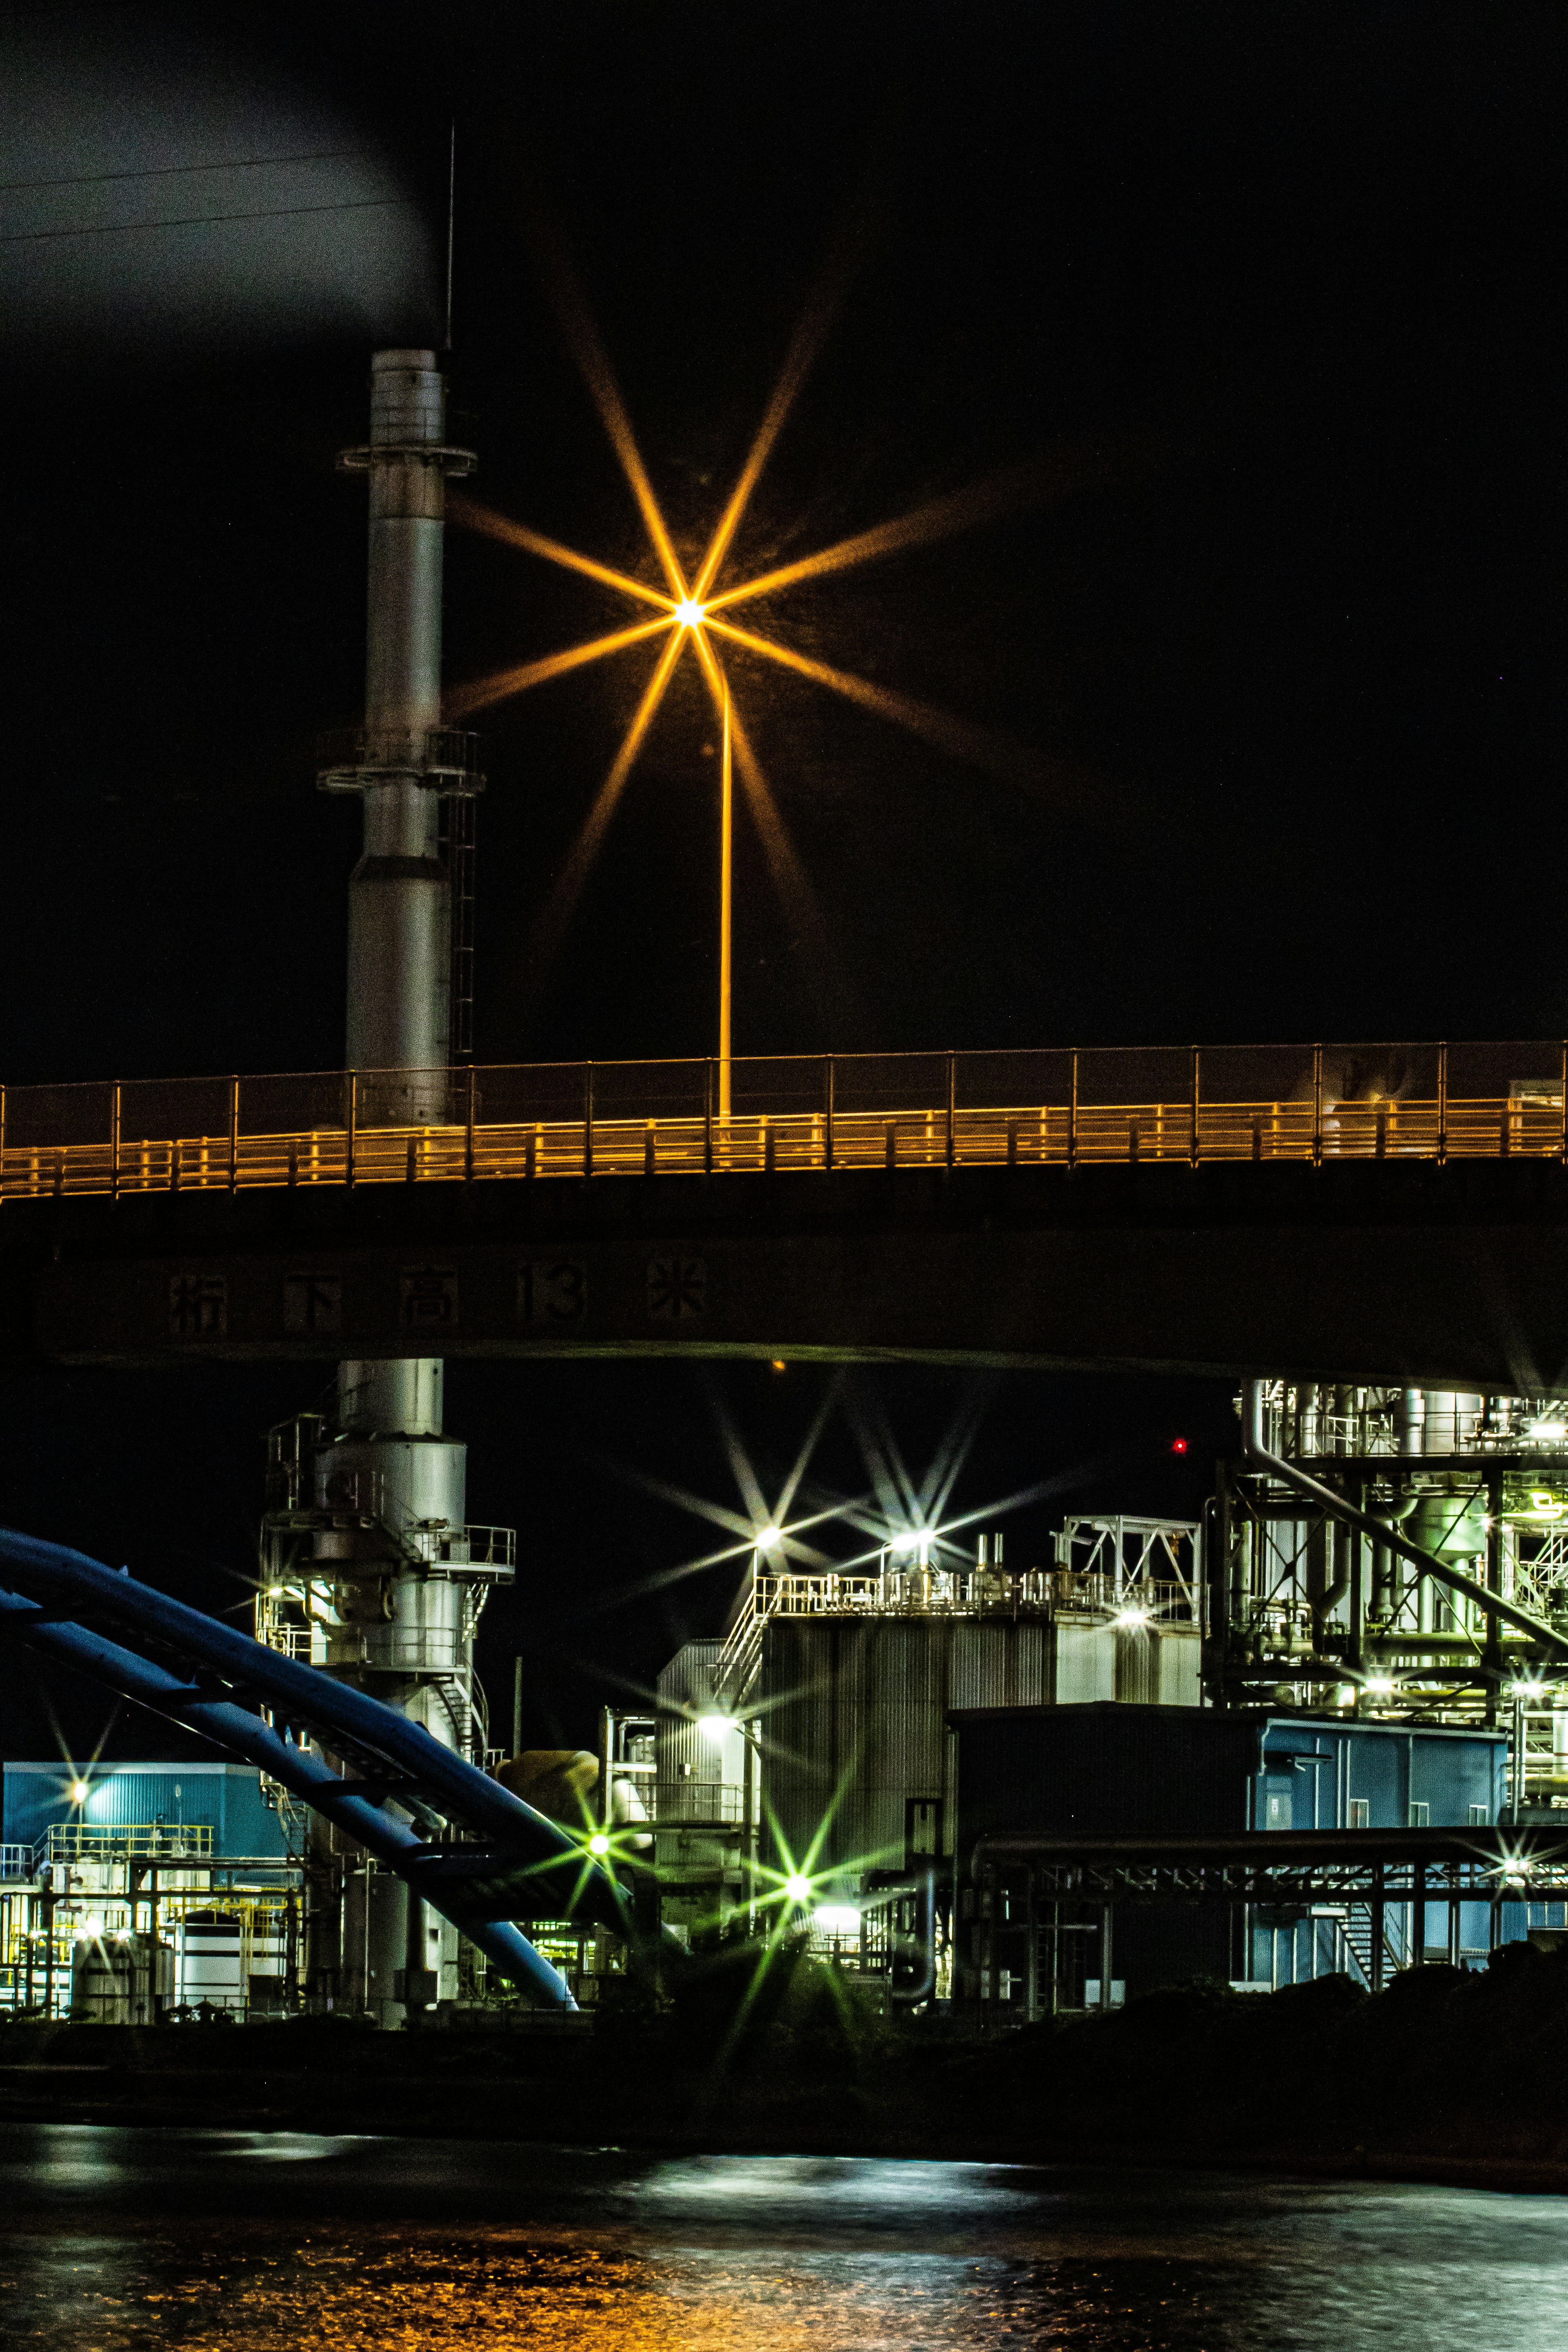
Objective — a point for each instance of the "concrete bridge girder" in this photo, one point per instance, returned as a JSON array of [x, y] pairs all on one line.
[[1441, 1275]]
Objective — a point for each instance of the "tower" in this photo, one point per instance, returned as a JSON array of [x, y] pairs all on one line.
[[368, 1557]]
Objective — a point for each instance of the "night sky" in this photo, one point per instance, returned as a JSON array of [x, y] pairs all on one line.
[[1268, 300]]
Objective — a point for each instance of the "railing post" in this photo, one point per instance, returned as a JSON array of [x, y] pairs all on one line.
[[469, 1131], [114, 1143], [1072, 1116], [827, 1114], [1192, 1154], [951, 1107], [1443, 1104], [233, 1133], [1564, 1150], [588, 1118], [707, 1075], [350, 1116], [1317, 1106]]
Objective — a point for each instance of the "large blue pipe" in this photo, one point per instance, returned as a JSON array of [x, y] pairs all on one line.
[[53, 1589]]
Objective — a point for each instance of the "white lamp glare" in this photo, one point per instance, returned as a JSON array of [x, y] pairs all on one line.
[[598, 1842], [714, 1725], [797, 1888], [78, 1792]]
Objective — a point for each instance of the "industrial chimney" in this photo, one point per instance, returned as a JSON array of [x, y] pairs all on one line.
[[390, 1540]]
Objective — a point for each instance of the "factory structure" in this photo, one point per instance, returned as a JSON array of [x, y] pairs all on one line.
[[1357, 1635], [1367, 1630], [370, 1569], [131, 1894]]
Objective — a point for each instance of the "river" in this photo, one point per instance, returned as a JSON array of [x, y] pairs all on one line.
[[113, 2241]]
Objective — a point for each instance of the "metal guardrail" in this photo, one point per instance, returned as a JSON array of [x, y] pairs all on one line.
[[697, 1804], [975, 1592], [1068, 1108], [75, 1841]]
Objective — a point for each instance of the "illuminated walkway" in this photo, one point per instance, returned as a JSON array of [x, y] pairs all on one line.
[[1061, 1108]]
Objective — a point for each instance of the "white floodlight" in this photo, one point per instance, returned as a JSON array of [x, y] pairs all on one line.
[[1379, 1685], [1550, 1432], [1131, 1618], [598, 1842], [78, 1792], [797, 1888], [835, 1919], [769, 1538], [714, 1725]]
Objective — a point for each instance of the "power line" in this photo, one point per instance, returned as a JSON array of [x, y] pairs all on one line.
[[174, 171], [198, 220]]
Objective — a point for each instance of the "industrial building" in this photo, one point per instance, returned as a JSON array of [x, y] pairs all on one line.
[[134, 1893], [1367, 1630], [1103, 1772], [811, 1746]]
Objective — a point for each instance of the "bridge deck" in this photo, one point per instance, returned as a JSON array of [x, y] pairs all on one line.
[[994, 1209]]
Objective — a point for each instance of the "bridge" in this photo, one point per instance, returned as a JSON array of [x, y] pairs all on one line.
[[1384, 1213]]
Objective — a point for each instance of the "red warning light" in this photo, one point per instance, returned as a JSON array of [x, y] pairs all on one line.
[[1178, 1445]]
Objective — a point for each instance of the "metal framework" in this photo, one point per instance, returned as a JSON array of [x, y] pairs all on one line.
[[1370, 1885], [1056, 1107]]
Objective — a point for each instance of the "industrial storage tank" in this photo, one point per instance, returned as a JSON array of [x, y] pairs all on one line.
[[811, 1744], [859, 1772]]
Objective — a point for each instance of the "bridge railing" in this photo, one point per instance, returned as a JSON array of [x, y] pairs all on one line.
[[1057, 1106]]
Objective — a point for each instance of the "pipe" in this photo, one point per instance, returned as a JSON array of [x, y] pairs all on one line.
[[240, 1733], [304, 1695], [1326, 1500]]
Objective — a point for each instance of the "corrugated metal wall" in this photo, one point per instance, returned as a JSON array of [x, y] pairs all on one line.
[[1387, 1766], [226, 1798], [855, 1723]]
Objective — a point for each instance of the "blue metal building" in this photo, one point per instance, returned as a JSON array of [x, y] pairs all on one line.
[[215, 1808], [1317, 1775], [1110, 1770]]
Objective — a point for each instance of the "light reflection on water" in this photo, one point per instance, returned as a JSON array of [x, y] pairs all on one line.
[[115, 2240]]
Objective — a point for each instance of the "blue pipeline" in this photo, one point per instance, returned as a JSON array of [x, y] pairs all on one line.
[[527, 1865]]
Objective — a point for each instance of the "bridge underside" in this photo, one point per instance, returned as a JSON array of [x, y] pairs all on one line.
[[1439, 1276]]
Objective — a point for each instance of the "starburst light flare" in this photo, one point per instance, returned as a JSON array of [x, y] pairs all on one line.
[[689, 606]]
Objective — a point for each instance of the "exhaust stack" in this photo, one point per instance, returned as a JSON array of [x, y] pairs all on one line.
[[388, 1488]]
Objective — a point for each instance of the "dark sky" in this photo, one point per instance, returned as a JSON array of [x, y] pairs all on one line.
[[1274, 295]]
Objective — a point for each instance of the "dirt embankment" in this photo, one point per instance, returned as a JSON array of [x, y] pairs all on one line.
[[1444, 2076]]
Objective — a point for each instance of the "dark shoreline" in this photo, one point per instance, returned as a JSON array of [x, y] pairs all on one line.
[[522, 2089]]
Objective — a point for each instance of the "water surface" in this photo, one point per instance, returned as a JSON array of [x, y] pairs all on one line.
[[116, 2240]]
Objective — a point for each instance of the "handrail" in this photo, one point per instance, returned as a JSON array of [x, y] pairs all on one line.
[[1073, 1109]]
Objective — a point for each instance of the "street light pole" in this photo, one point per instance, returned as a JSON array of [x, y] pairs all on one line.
[[726, 894]]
